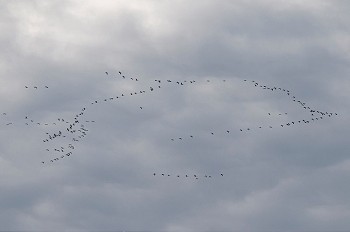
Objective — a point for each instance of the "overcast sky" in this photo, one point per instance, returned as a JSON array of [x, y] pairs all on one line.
[[254, 158]]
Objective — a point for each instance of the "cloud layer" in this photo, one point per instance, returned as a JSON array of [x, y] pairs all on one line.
[[281, 178]]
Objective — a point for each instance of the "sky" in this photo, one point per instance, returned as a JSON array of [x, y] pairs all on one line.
[[226, 115]]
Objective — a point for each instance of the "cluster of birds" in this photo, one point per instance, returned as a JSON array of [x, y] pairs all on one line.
[[187, 176], [74, 130]]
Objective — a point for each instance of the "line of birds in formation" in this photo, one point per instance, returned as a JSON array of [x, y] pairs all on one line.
[[186, 175], [76, 130], [321, 114], [31, 122], [36, 87]]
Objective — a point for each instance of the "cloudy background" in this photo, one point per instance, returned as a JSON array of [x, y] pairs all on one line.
[[290, 178]]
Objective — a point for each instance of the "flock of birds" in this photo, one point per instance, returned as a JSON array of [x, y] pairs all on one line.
[[73, 130], [315, 115], [195, 176], [35, 87]]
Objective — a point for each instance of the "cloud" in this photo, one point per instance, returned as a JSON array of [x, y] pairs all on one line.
[[279, 178]]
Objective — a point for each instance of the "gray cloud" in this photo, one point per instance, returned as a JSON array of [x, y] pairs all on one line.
[[290, 178]]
